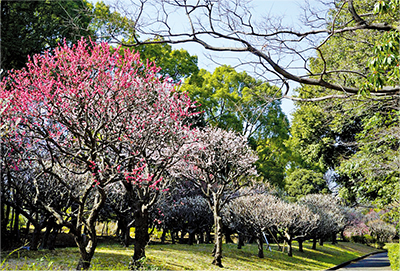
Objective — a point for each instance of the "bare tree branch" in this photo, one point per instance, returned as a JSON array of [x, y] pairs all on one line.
[[231, 26]]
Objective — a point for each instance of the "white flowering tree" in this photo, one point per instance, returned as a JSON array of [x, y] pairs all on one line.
[[296, 222], [219, 162], [331, 216], [254, 214], [251, 215]]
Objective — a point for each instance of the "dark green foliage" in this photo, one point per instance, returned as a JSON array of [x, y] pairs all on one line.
[[236, 101], [30, 27], [356, 137], [177, 64], [301, 182]]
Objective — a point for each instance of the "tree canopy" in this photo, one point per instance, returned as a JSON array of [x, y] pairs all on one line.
[[236, 101], [354, 136], [31, 27]]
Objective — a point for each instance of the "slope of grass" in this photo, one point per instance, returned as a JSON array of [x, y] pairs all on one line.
[[110, 256]]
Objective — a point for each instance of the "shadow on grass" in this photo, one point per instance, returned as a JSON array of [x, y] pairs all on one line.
[[181, 257]]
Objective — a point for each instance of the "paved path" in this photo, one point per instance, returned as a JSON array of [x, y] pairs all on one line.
[[377, 262]]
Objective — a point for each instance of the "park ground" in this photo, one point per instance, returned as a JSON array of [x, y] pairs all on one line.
[[112, 256]]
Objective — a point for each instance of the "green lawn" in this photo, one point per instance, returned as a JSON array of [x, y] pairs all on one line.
[[185, 257]]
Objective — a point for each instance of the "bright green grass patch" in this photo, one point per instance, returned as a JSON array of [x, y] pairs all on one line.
[[185, 257]]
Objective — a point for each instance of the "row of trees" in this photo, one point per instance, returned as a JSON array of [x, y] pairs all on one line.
[[340, 137], [87, 115], [90, 117], [346, 121]]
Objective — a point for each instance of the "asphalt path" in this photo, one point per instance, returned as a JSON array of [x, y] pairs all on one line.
[[377, 262]]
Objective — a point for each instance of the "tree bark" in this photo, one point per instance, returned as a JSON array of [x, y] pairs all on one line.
[[164, 233], [191, 236], [141, 237], [200, 237], [260, 247], [321, 241], [240, 241], [53, 237], [16, 225], [49, 227], [228, 233], [314, 244], [208, 236], [334, 240], [290, 250], [289, 241], [35, 238], [172, 236], [87, 242], [84, 261], [301, 245], [217, 238]]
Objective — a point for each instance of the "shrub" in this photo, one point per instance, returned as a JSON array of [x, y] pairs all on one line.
[[394, 256], [369, 240], [358, 239]]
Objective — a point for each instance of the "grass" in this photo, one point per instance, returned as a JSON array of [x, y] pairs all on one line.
[[110, 256]]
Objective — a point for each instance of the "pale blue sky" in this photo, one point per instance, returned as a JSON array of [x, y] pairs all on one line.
[[289, 10]]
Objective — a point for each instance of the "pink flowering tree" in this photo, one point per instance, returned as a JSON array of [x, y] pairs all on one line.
[[219, 162], [87, 114]]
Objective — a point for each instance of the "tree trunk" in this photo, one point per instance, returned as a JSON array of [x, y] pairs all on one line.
[[342, 235], [84, 261], [289, 241], [314, 244], [164, 233], [191, 236], [217, 238], [28, 225], [228, 233], [35, 238], [3, 206], [321, 241], [260, 247], [141, 237], [53, 237], [16, 225], [183, 233], [200, 237], [301, 245], [87, 242], [172, 236], [290, 251], [127, 236], [208, 236], [12, 221], [49, 227], [334, 240], [240, 241]]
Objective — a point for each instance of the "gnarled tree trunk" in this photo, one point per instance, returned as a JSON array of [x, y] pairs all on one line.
[[217, 253], [141, 237]]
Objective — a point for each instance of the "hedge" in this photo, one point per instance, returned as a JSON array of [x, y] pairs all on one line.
[[394, 255]]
